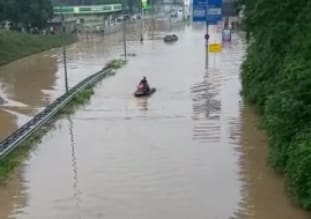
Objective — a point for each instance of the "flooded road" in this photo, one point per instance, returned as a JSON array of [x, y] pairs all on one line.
[[186, 152], [29, 84], [265, 193]]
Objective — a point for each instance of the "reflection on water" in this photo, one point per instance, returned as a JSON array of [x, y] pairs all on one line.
[[74, 168], [12, 196], [142, 103], [207, 107]]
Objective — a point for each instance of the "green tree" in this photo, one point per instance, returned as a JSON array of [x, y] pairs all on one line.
[[2, 10], [27, 13]]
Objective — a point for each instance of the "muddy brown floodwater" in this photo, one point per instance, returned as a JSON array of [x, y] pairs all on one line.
[[29, 84], [191, 150]]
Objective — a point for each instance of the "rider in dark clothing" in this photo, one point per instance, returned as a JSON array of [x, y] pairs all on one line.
[[144, 82]]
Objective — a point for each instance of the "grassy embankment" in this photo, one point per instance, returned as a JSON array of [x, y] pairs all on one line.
[[276, 78], [14, 45], [13, 160]]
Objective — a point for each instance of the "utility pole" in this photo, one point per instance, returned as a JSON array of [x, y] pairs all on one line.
[[206, 40], [183, 11], [141, 21], [64, 51], [152, 17], [124, 32]]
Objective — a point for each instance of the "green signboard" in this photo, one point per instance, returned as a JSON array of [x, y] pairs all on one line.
[[145, 4], [87, 9]]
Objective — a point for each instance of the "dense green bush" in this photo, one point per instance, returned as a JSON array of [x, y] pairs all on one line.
[[276, 77], [298, 168]]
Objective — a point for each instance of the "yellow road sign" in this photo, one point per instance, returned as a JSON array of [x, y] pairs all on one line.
[[215, 48]]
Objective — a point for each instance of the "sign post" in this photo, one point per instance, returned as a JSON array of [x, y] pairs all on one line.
[[214, 11], [215, 48], [209, 11], [199, 10]]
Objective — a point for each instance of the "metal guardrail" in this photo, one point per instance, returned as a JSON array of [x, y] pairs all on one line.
[[15, 139]]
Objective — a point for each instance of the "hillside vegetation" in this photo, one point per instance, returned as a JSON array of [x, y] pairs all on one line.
[[14, 45], [276, 78]]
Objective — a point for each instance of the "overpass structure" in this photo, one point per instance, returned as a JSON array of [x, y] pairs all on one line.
[[87, 9], [93, 17]]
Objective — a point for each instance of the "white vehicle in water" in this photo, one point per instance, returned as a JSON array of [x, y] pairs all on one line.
[[180, 13]]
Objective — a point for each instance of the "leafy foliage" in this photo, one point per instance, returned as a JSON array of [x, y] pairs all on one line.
[[26, 13], [116, 63], [276, 77], [299, 174]]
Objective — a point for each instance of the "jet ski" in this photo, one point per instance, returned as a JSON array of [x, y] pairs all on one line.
[[144, 91]]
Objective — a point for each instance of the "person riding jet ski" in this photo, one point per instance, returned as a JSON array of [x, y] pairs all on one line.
[[144, 84], [143, 89]]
